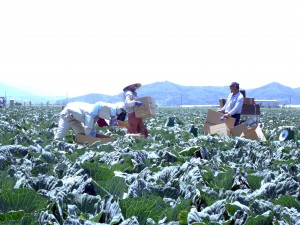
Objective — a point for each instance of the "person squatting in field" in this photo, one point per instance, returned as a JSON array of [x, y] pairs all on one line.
[[234, 103], [82, 117], [135, 125]]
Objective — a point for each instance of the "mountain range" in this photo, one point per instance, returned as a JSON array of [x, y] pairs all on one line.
[[20, 95], [170, 94]]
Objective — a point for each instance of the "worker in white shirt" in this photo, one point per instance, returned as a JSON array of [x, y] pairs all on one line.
[[234, 103], [82, 117]]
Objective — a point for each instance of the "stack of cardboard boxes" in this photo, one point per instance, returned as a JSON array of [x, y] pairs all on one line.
[[213, 125]]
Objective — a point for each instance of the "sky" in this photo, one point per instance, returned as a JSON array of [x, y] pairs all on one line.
[[77, 47]]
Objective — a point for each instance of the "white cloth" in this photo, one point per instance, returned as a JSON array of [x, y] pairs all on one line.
[[130, 97]]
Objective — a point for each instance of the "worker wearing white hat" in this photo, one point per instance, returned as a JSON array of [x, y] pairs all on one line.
[[82, 117]]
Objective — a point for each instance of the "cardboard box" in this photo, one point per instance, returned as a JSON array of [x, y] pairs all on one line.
[[254, 133], [123, 123], [250, 109], [83, 139], [220, 129], [249, 101], [222, 101], [148, 109], [238, 130], [213, 118], [135, 135], [213, 125]]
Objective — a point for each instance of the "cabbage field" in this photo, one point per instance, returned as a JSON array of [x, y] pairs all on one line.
[[173, 177]]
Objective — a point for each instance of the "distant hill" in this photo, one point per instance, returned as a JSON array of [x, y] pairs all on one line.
[[170, 94], [19, 95], [92, 98], [276, 91], [13, 92], [167, 93]]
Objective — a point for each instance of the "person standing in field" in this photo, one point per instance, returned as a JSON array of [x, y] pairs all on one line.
[[82, 117], [135, 125], [234, 103]]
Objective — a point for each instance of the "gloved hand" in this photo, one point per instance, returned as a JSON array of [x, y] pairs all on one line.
[[138, 103], [93, 133]]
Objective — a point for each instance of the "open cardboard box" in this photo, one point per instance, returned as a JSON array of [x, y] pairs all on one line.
[[148, 109], [83, 139], [213, 118], [254, 133], [238, 130], [123, 124], [220, 129]]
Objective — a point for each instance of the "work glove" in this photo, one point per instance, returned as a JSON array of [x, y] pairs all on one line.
[[93, 133], [138, 103]]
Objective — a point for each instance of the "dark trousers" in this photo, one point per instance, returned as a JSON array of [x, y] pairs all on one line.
[[237, 119]]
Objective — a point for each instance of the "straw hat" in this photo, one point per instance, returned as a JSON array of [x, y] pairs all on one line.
[[132, 87]]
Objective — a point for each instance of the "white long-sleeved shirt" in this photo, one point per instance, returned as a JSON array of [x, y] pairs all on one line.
[[88, 114], [234, 104], [130, 97]]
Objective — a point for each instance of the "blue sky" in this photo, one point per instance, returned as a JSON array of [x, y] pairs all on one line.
[[83, 46]]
